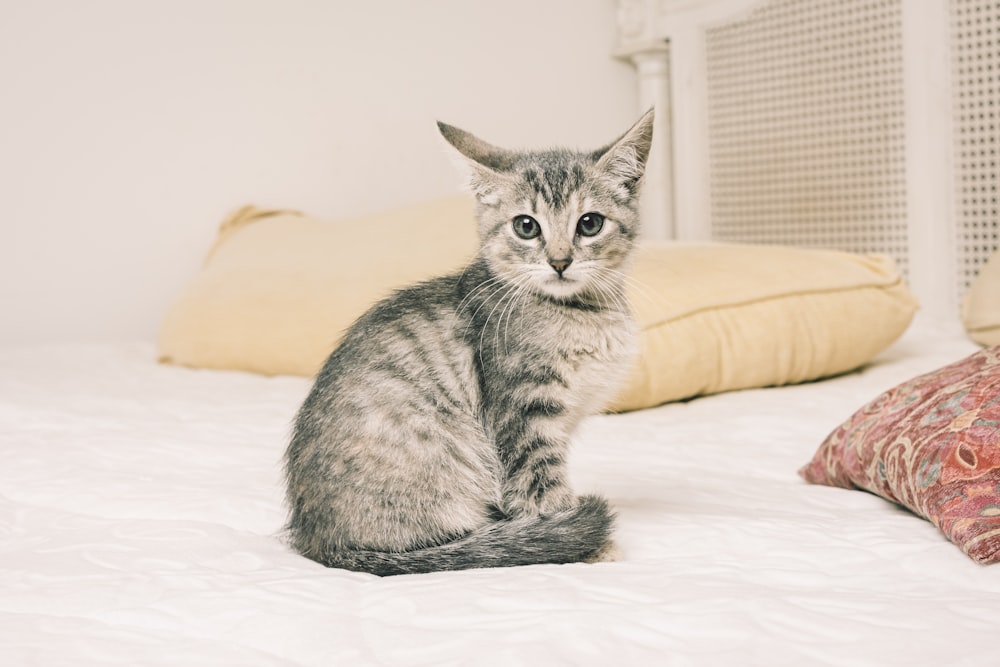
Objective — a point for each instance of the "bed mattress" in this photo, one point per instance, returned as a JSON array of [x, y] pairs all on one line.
[[141, 507]]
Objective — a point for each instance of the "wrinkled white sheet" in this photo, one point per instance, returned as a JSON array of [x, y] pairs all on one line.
[[140, 506]]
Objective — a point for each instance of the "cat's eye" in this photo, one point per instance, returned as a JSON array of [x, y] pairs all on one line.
[[526, 227], [590, 224]]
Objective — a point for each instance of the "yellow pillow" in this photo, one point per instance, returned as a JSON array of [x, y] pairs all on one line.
[[981, 305], [279, 288], [716, 317]]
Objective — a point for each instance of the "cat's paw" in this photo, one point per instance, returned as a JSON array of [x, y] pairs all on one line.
[[552, 501], [608, 553]]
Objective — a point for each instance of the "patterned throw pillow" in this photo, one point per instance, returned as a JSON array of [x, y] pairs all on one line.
[[932, 444]]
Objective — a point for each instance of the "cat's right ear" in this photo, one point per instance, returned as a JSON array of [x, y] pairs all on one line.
[[485, 166]]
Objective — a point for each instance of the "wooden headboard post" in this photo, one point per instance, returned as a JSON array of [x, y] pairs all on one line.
[[930, 172], [664, 39], [650, 57]]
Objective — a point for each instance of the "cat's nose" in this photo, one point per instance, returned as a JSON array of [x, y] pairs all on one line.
[[560, 265]]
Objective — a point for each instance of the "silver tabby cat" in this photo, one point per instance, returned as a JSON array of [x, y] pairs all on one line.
[[435, 436]]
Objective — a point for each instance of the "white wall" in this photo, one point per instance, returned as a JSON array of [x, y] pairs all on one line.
[[129, 128]]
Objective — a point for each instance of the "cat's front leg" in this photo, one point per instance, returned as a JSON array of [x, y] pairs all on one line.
[[535, 466], [536, 493]]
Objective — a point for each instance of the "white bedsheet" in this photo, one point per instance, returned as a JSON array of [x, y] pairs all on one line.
[[139, 508]]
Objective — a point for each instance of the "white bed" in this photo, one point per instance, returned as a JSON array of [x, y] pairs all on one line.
[[140, 507]]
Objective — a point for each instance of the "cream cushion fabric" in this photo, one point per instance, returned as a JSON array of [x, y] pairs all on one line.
[[981, 305], [279, 288], [719, 317]]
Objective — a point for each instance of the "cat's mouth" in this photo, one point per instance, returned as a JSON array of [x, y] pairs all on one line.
[[562, 285]]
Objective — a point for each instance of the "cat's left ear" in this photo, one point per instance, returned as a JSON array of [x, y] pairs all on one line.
[[485, 165], [624, 160]]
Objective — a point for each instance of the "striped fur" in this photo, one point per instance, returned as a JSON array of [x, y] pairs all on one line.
[[435, 436]]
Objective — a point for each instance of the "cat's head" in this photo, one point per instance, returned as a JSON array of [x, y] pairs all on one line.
[[559, 222]]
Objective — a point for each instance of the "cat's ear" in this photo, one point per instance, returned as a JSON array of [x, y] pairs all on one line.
[[624, 160], [484, 165]]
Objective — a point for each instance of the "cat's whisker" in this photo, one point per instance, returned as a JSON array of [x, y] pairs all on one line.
[[524, 282], [609, 292], [477, 290], [606, 295], [639, 288], [503, 304], [481, 289], [520, 298], [508, 289], [605, 287]]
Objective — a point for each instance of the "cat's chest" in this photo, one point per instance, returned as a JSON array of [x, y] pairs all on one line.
[[593, 356], [588, 342], [582, 347]]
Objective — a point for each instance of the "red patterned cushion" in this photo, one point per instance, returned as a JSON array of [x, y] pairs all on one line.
[[932, 444]]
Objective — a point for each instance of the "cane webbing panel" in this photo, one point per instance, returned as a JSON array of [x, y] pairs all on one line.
[[806, 126]]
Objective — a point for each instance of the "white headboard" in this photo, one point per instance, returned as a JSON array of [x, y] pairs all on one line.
[[864, 125]]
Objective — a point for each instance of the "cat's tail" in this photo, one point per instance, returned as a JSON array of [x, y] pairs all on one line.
[[580, 533]]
